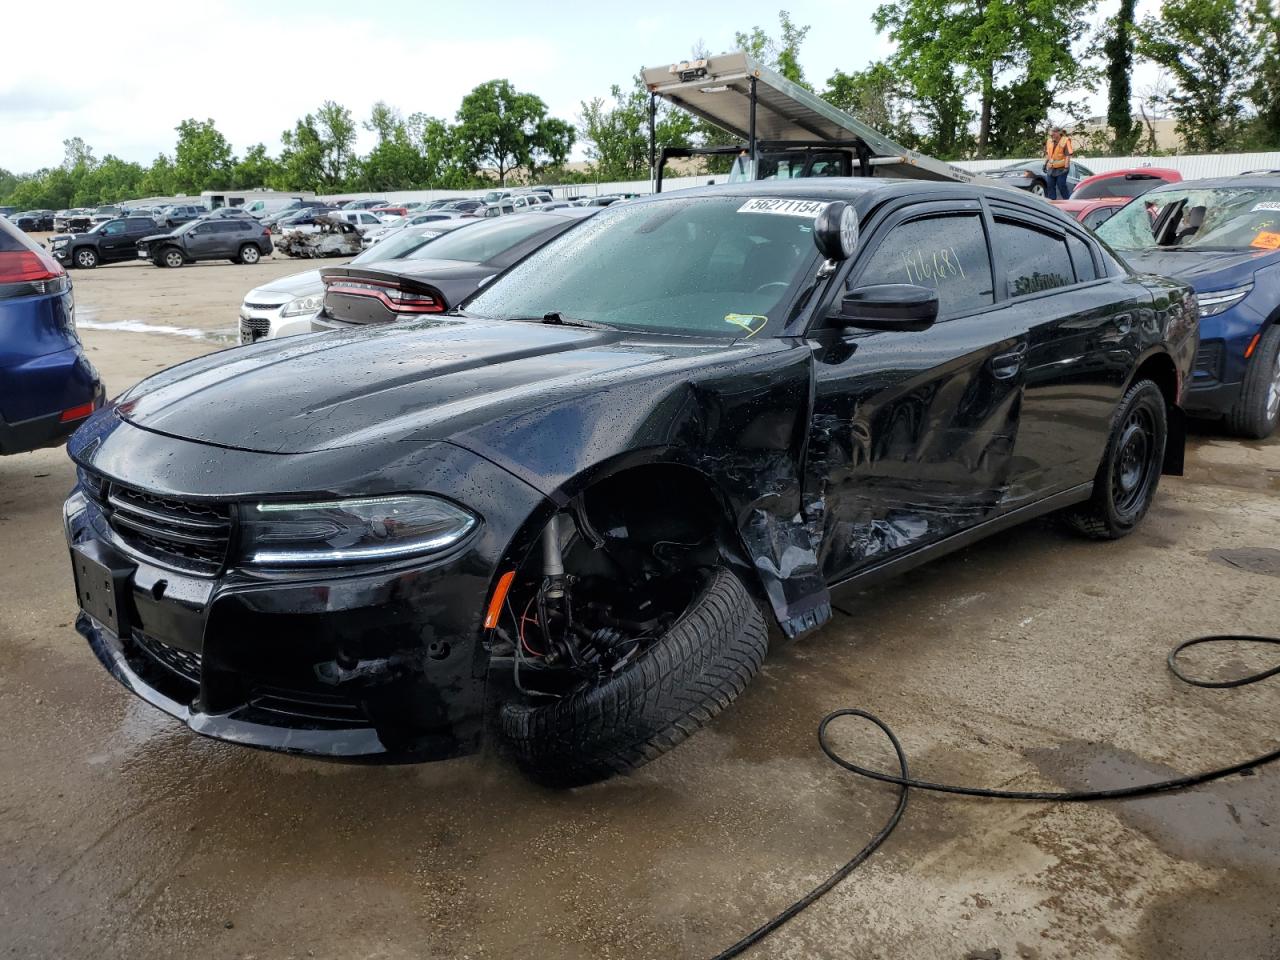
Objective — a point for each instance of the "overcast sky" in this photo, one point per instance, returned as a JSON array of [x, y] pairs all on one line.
[[123, 75]]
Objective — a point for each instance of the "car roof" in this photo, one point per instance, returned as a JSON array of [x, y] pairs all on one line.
[[1211, 183], [862, 192]]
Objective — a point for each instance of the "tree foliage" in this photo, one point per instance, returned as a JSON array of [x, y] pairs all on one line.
[[1118, 49], [1218, 53], [1014, 56], [781, 53], [202, 157], [502, 128], [616, 131]]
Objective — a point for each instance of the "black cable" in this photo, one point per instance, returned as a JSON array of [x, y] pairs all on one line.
[[906, 783]]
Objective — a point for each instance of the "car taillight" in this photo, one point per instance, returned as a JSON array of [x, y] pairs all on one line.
[[28, 266], [393, 297]]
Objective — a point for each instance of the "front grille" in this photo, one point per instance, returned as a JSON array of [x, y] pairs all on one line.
[[181, 662], [183, 534], [253, 329], [304, 708], [1209, 361], [261, 306]]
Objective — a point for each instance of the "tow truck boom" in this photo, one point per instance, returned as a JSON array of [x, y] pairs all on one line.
[[774, 117]]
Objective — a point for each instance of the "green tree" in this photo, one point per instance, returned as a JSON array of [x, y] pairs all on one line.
[[1265, 92], [302, 156], [616, 131], [77, 155], [338, 136], [202, 157], [256, 168], [876, 96], [1212, 53], [158, 180], [1019, 53], [1118, 49], [506, 130], [782, 53]]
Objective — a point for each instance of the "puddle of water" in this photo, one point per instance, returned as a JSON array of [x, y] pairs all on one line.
[[137, 326]]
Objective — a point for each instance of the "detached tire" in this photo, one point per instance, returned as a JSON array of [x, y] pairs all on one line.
[[1257, 409], [674, 687], [1126, 482]]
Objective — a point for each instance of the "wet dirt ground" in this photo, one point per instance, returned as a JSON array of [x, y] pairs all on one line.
[[1033, 660]]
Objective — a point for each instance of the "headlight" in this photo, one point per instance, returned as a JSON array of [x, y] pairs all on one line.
[[57, 244], [1214, 302], [356, 530], [302, 305]]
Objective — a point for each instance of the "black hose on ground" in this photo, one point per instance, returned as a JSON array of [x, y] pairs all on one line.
[[906, 783]]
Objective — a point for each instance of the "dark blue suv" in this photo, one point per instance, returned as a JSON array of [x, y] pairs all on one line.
[[47, 385], [1222, 236]]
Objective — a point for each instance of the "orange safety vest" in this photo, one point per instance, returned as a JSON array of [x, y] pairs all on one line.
[[1057, 153]]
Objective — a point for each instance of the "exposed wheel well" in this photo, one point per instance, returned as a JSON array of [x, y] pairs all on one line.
[[670, 508]]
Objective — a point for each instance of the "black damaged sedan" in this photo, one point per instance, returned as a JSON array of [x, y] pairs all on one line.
[[573, 512]]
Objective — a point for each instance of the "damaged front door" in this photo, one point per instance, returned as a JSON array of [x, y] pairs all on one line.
[[913, 431]]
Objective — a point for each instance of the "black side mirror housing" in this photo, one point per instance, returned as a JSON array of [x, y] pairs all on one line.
[[889, 306]]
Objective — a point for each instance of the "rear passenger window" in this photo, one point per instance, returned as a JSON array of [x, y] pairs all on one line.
[[1034, 260], [1082, 259], [944, 253]]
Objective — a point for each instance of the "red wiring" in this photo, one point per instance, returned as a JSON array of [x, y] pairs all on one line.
[[525, 618]]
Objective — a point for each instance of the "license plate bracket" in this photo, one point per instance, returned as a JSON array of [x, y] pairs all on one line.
[[104, 586]]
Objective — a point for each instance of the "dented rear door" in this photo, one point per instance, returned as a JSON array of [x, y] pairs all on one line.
[[913, 432]]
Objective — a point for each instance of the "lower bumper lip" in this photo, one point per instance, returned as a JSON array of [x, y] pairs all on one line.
[[355, 743]]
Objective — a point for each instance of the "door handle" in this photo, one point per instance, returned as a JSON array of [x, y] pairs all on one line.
[[1006, 365]]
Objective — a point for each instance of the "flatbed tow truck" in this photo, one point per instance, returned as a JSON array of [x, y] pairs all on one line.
[[785, 131]]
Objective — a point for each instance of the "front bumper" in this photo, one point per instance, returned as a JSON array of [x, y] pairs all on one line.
[[384, 662]]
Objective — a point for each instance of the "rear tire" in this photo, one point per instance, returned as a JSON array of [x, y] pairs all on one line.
[[1038, 188], [1257, 409], [171, 257], [677, 685], [86, 258], [1126, 482], [249, 254]]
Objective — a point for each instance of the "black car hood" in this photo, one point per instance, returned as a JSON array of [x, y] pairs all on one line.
[[1207, 269], [436, 379]]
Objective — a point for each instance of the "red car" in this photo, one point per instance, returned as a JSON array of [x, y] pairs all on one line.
[[1124, 183], [1091, 213], [390, 211], [1096, 198]]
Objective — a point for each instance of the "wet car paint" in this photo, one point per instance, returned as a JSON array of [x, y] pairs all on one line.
[[837, 455]]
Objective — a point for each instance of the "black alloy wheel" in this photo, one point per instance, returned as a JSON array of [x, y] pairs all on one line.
[[1125, 484]]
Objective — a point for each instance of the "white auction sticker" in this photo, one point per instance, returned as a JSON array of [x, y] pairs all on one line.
[[787, 208], [1266, 205]]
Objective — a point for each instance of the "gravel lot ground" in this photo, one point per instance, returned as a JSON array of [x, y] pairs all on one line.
[[1033, 660]]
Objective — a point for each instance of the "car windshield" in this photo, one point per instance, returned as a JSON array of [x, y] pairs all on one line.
[[1134, 186], [395, 248], [705, 266], [1214, 218], [484, 241]]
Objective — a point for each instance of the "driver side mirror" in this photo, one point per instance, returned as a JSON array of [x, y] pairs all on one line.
[[889, 306]]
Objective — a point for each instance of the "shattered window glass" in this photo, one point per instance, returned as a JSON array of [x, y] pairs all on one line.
[[944, 253]]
